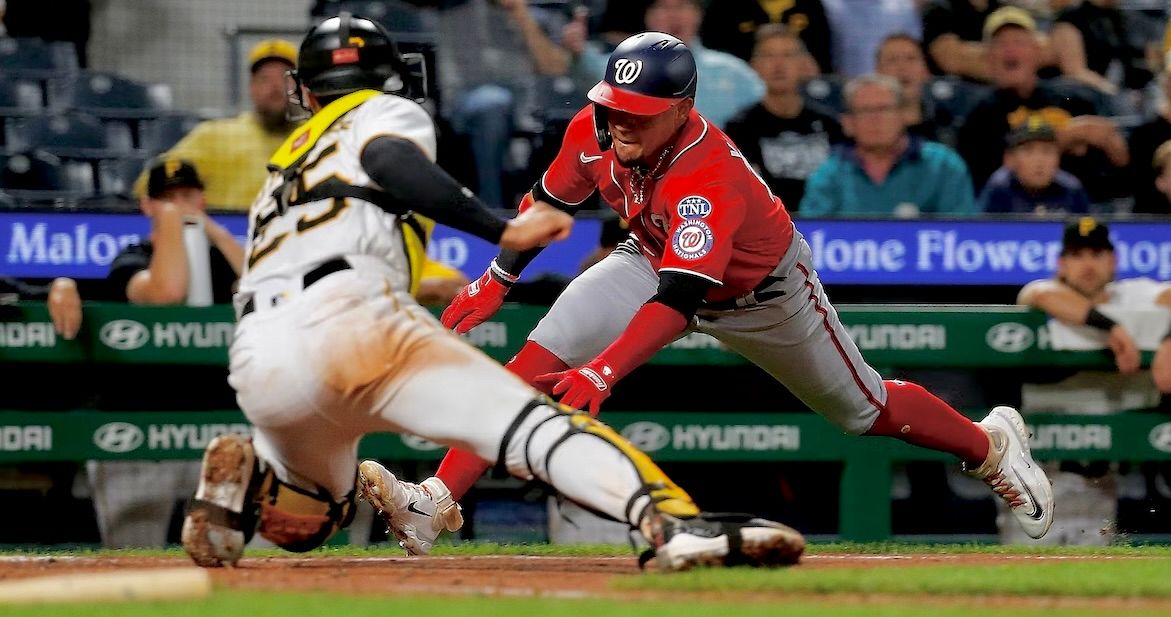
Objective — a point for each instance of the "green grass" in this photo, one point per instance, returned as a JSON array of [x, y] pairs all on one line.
[[257, 604], [253, 604], [1149, 578], [958, 589]]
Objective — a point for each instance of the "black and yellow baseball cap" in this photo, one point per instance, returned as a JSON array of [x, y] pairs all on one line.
[[1085, 233], [272, 49], [1036, 128], [171, 173]]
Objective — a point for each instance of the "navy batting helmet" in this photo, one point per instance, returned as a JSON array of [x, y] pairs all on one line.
[[645, 75]]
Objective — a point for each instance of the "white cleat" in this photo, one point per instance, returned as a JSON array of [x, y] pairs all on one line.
[[222, 515], [1012, 473], [720, 540], [415, 513]]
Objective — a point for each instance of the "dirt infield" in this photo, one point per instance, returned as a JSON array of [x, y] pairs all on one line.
[[565, 577]]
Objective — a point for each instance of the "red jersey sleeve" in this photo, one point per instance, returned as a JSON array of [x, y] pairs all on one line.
[[567, 180], [702, 226]]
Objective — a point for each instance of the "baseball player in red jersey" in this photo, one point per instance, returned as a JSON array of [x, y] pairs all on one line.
[[710, 250]]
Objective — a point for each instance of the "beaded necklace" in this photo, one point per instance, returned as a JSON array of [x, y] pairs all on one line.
[[640, 174]]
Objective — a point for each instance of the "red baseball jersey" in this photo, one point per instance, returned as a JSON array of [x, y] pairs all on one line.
[[705, 212]]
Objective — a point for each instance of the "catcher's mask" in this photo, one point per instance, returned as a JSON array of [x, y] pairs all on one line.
[[347, 53], [645, 75]]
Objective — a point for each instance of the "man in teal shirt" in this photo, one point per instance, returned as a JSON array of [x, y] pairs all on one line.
[[886, 172]]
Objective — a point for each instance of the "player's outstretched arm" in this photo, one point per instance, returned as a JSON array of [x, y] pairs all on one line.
[[410, 178], [480, 299], [664, 317]]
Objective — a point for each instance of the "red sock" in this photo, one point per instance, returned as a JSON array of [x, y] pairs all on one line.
[[918, 417], [459, 470]]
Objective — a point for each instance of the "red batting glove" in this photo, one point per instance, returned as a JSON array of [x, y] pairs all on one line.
[[581, 388], [477, 302]]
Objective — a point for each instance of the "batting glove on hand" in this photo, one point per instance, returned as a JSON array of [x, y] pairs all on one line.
[[477, 302], [581, 388]]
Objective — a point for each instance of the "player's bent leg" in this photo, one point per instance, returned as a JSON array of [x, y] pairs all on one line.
[[238, 494], [460, 469], [1010, 471], [414, 513], [917, 416], [592, 465]]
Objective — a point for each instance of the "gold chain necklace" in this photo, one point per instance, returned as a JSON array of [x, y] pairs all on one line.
[[640, 174]]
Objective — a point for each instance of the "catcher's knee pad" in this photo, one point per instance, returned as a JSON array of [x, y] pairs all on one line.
[[543, 427], [299, 520]]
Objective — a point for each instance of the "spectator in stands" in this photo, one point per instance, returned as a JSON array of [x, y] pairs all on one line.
[[901, 56], [886, 172], [726, 85], [1144, 140], [956, 45], [134, 500], [1092, 46], [156, 271], [65, 307], [859, 27], [953, 37], [1091, 310], [621, 19], [1161, 365], [780, 136], [1094, 149], [730, 25], [61, 297], [489, 54], [232, 153], [1031, 180], [1161, 163]]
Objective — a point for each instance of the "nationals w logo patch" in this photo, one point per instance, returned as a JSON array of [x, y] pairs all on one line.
[[626, 71]]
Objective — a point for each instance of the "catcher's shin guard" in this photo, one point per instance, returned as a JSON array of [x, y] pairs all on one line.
[[589, 463], [297, 519], [236, 494]]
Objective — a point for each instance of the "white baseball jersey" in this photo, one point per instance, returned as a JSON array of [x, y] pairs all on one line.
[[1130, 302], [285, 241]]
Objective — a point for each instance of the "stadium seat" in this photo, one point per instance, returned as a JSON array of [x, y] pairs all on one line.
[[48, 65], [825, 93], [38, 177], [117, 176], [108, 95], [36, 57], [159, 134], [122, 104], [19, 98], [72, 135]]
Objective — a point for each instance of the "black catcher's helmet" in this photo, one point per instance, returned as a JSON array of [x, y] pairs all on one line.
[[645, 75], [347, 53]]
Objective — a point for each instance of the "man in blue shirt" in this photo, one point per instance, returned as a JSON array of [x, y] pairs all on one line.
[[726, 84], [886, 172]]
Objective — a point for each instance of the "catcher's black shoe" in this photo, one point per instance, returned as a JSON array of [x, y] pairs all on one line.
[[719, 540]]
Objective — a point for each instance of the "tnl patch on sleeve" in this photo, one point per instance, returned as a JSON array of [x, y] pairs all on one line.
[[694, 207], [692, 240]]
